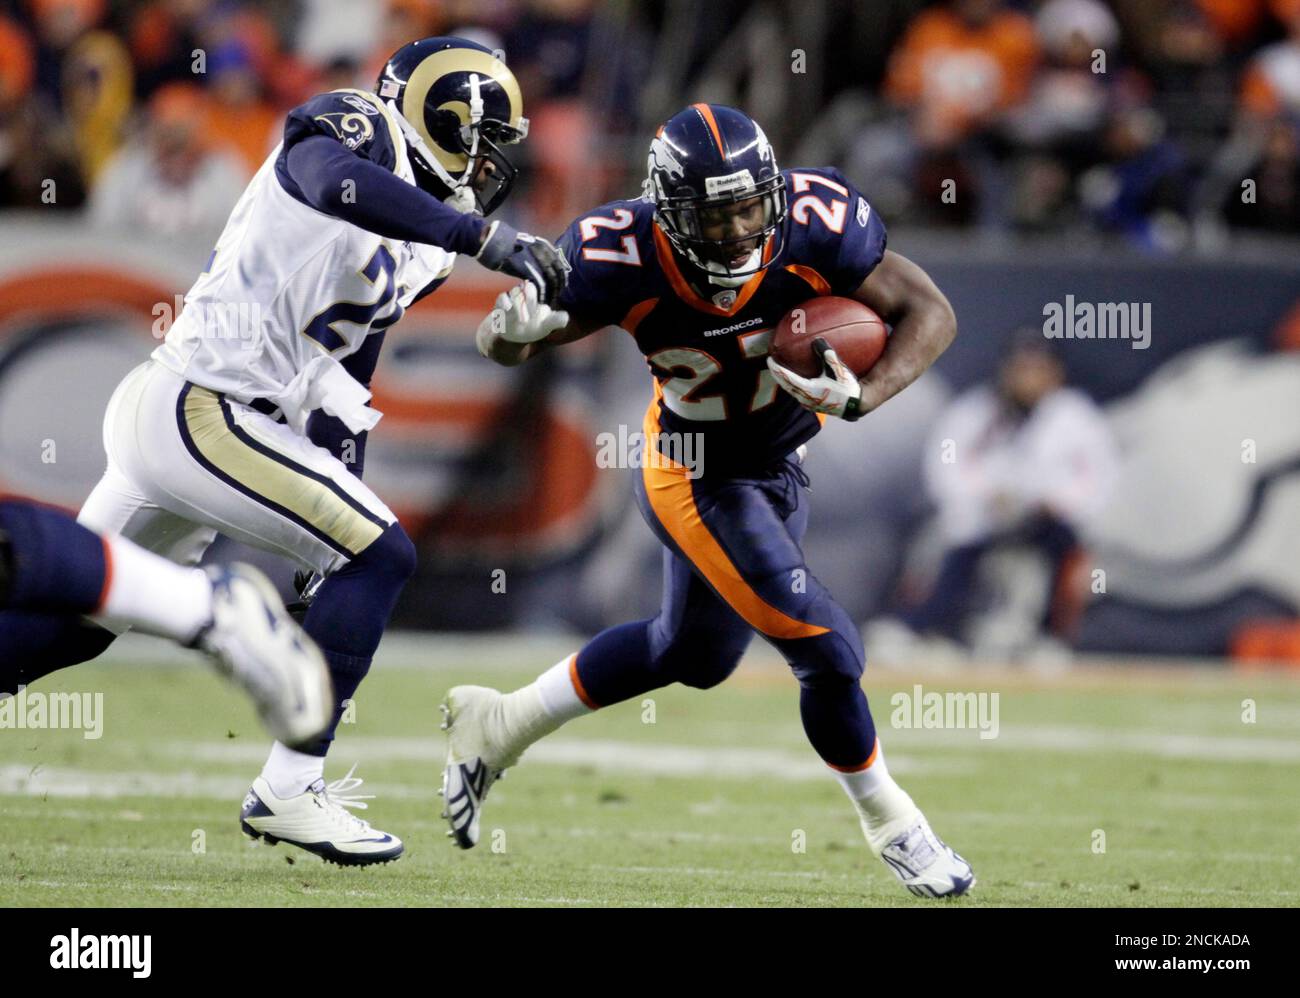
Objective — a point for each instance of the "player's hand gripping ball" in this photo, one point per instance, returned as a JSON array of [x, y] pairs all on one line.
[[820, 350]]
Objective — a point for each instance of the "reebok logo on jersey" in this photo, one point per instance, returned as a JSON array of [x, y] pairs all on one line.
[[364, 106]]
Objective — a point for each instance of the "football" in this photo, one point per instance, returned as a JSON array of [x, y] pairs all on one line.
[[855, 332]]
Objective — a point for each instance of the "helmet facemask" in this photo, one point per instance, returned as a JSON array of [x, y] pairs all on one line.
[[479, 140], [483, 145], [684, 220]]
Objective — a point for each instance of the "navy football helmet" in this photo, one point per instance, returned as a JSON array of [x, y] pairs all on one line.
[[704, 160], [458, 104]]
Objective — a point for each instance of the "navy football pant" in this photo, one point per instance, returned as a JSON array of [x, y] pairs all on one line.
[[55, 570], [52, 570], [733, 566]]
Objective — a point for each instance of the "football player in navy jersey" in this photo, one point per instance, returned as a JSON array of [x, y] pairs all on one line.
[[53, 566], [699, 270]]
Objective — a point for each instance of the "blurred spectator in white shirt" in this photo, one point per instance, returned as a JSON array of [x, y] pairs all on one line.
[[1027, 461], [170, 182]]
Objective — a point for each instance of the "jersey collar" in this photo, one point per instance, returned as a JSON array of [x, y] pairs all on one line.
[[668, 264]]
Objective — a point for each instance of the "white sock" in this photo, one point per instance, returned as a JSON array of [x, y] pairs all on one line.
[[289, 773], [537, 709], [153, 594], [883, 807]]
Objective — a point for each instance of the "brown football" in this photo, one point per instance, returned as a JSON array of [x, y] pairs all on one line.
[[855, 332]]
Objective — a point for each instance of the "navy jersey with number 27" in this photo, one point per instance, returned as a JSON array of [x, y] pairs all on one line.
[[709, 354]]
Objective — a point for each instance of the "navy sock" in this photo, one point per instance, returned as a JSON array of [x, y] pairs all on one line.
[[833, 707], [350, 612], [56, 571], [838, 723], [33, 645], [346, 672], [617, 664]]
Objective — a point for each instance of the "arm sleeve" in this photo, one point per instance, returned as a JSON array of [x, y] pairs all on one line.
[[861, 246], [338, 182], [330, 432], [595, 291]]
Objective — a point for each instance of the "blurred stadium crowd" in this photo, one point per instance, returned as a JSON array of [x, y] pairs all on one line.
[[1138, 119], [1102, 135]]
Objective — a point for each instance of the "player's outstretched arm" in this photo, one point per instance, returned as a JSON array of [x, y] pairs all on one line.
[[521, 327], [923, 323], [338, 182]]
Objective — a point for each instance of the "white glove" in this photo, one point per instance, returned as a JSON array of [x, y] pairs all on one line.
[[519, 318], [835, 391]]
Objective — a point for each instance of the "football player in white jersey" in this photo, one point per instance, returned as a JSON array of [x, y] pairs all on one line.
[[238, 422]]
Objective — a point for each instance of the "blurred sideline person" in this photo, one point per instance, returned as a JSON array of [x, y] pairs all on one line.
[[251, 418], [50, 564], [1026, 461], [174, 181]]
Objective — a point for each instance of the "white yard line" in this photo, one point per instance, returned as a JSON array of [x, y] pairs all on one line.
[[642, 757], [524, 652], [60, 781]]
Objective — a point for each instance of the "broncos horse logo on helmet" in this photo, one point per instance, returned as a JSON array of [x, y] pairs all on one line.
[[709, 157], [458, 104]]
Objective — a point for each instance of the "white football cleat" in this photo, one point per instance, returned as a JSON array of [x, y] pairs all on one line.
[[473, 764], [926, 866], [319, 821], [255, 642]]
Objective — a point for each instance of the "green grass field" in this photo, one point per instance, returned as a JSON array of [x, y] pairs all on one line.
[[707, 805]]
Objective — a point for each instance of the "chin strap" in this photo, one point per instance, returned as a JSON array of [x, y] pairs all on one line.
[[720, 277], [728, 280], [462, 196]]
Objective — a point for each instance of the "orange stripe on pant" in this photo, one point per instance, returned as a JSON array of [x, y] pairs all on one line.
[[673, 501], [875, 750], [576, 680], [108, 575]]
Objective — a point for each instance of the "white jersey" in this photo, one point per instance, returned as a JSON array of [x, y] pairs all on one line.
[[290, 291]]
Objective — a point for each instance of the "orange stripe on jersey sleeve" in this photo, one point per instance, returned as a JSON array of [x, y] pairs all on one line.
[[673, 501], [819, 283], [638, 312], [706, 113]]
